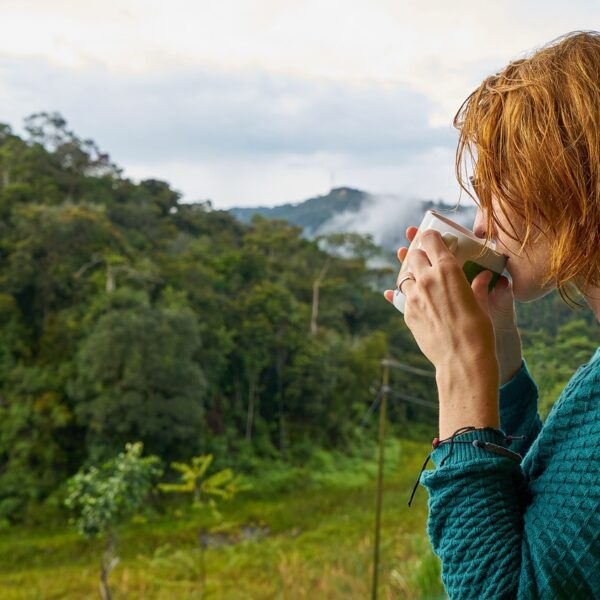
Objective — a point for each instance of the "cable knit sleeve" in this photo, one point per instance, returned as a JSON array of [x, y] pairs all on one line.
[[529, 530], [519, 409], [475, 525]]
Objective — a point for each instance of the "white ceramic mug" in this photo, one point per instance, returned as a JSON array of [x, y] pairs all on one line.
[[472, 253]]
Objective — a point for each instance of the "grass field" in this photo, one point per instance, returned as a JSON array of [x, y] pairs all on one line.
[[299, 533]]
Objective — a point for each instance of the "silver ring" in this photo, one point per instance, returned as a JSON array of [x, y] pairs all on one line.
[[407, 276]]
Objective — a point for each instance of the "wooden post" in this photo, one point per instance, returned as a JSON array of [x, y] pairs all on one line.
[[382, 419]]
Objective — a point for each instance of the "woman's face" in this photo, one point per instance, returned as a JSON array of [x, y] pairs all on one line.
[[525, 271]]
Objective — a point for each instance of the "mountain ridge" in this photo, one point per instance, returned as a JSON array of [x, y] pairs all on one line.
[[385, 217]]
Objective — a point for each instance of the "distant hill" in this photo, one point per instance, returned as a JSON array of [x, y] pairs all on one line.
[[386, 217], [310, 214]]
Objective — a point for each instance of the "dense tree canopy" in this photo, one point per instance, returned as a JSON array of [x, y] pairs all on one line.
[[128, 315]]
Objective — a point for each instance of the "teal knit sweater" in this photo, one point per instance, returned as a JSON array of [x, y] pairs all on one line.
[[504, 529]]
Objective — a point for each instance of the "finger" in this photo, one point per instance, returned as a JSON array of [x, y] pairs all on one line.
[[501, 285], [407, 286], [417, 264], [502, 294], [401, 254], [479, 285], [505, 281], [389, 295], [411, 232], [434, 246]]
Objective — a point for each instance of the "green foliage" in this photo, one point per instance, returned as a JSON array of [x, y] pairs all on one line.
[[32, 413], [102, 497], [311, 539], [552, 361], [206, 491], [312, 213], [223, 484], [137, 378], [127, 314]]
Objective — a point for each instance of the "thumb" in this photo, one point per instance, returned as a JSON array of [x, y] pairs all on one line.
[[502, 303], [502, 294], [479, 285]]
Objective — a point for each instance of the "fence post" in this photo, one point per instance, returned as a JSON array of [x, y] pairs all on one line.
[[382, 419]]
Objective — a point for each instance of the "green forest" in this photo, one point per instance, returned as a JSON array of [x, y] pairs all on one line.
[[127, 315]]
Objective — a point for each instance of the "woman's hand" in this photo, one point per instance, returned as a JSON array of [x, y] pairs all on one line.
[[450, 321], [501, 302], [448, 317], [501, 305]]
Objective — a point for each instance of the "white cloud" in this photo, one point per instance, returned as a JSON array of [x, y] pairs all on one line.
[[187, 113], [270, 181], [305, 78], [281, 137]]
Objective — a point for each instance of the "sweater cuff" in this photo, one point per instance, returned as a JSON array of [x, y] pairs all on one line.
[[520, 380], [511, 395], [463, 452]]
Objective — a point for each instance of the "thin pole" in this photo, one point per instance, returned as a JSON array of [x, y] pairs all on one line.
[[382, 418], [404, 367]]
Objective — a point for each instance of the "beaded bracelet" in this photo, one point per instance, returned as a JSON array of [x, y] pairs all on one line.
[[477, 443]]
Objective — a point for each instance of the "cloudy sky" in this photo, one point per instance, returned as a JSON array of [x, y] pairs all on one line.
[[249, 102]]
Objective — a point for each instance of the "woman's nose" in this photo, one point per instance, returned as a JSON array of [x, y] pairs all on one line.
[[480, 225]]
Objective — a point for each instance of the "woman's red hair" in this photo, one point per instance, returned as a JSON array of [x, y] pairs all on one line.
[[532, 131]]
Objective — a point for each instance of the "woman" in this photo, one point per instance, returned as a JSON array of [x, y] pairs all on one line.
[[520, 518]]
